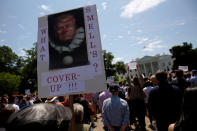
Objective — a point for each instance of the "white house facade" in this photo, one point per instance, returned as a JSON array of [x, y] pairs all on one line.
[[150, 64]]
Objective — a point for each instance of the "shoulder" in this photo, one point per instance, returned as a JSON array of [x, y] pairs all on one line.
[[155, 88], [145, 88], [176, 88], [124, 102], [107, 100], [101, 94], [16, 106], [193, 78]]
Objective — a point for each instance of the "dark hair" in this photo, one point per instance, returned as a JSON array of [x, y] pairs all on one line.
[[12, 99], [4, 100], [5, 114], [161, 76], [194, 71], [179, 73], [61, 98], [148, 83], [187, 121], [136, 81], [114, 88]]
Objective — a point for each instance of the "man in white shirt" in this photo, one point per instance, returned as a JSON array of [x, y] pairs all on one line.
[[12, 103]]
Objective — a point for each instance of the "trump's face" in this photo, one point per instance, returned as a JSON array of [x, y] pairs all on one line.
[[66, 28]]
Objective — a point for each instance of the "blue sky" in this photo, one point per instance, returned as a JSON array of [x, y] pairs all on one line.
[[129, 29]]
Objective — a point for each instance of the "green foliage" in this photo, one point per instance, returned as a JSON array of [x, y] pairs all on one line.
[[184, 56], [29, 73], [18, 73], [31, 54], [120, 67], [116, 78], [9, 61], [9, 83], [109, 67]]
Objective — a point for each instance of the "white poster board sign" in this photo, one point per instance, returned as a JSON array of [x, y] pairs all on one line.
[[27, 92], [184, 68], [132, 65], [69, 53], [110, 80]]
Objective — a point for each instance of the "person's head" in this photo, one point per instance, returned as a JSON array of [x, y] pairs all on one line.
[[187, 120], [136, 81], [12, 99], [29, 98], [6, 95], [148, 83], [4, 102], [61, 98], [194, 72], [78, 112], [5, 114], [153, 79], [120, 83], [22, 101], [114, 89], [76, 97], [179, 73], [65, 27], [190, 100], [146, 79], [161, 76], [20, 97], [38, 100], [187, 75]]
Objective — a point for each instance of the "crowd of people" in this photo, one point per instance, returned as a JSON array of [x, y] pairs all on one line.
[[168, 99], [164, 97]]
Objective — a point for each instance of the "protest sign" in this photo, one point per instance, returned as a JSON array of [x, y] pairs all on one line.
[[184, 68], [110, 80], [69, 53], [132, 65], [27, 92]]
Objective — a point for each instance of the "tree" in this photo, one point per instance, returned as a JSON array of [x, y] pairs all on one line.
[[10, 70], [184, 56], [109, 67], [9, 83], [120, 67], [116, 78], [9, 61], [29, 73]]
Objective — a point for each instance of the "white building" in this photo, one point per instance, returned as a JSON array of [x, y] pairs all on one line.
[[150, 64]]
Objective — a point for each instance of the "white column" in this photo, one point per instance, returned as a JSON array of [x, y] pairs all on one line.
[[152, 71], [145, 69]]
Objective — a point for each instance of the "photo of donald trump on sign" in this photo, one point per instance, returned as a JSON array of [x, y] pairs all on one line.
[[67, 40]]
